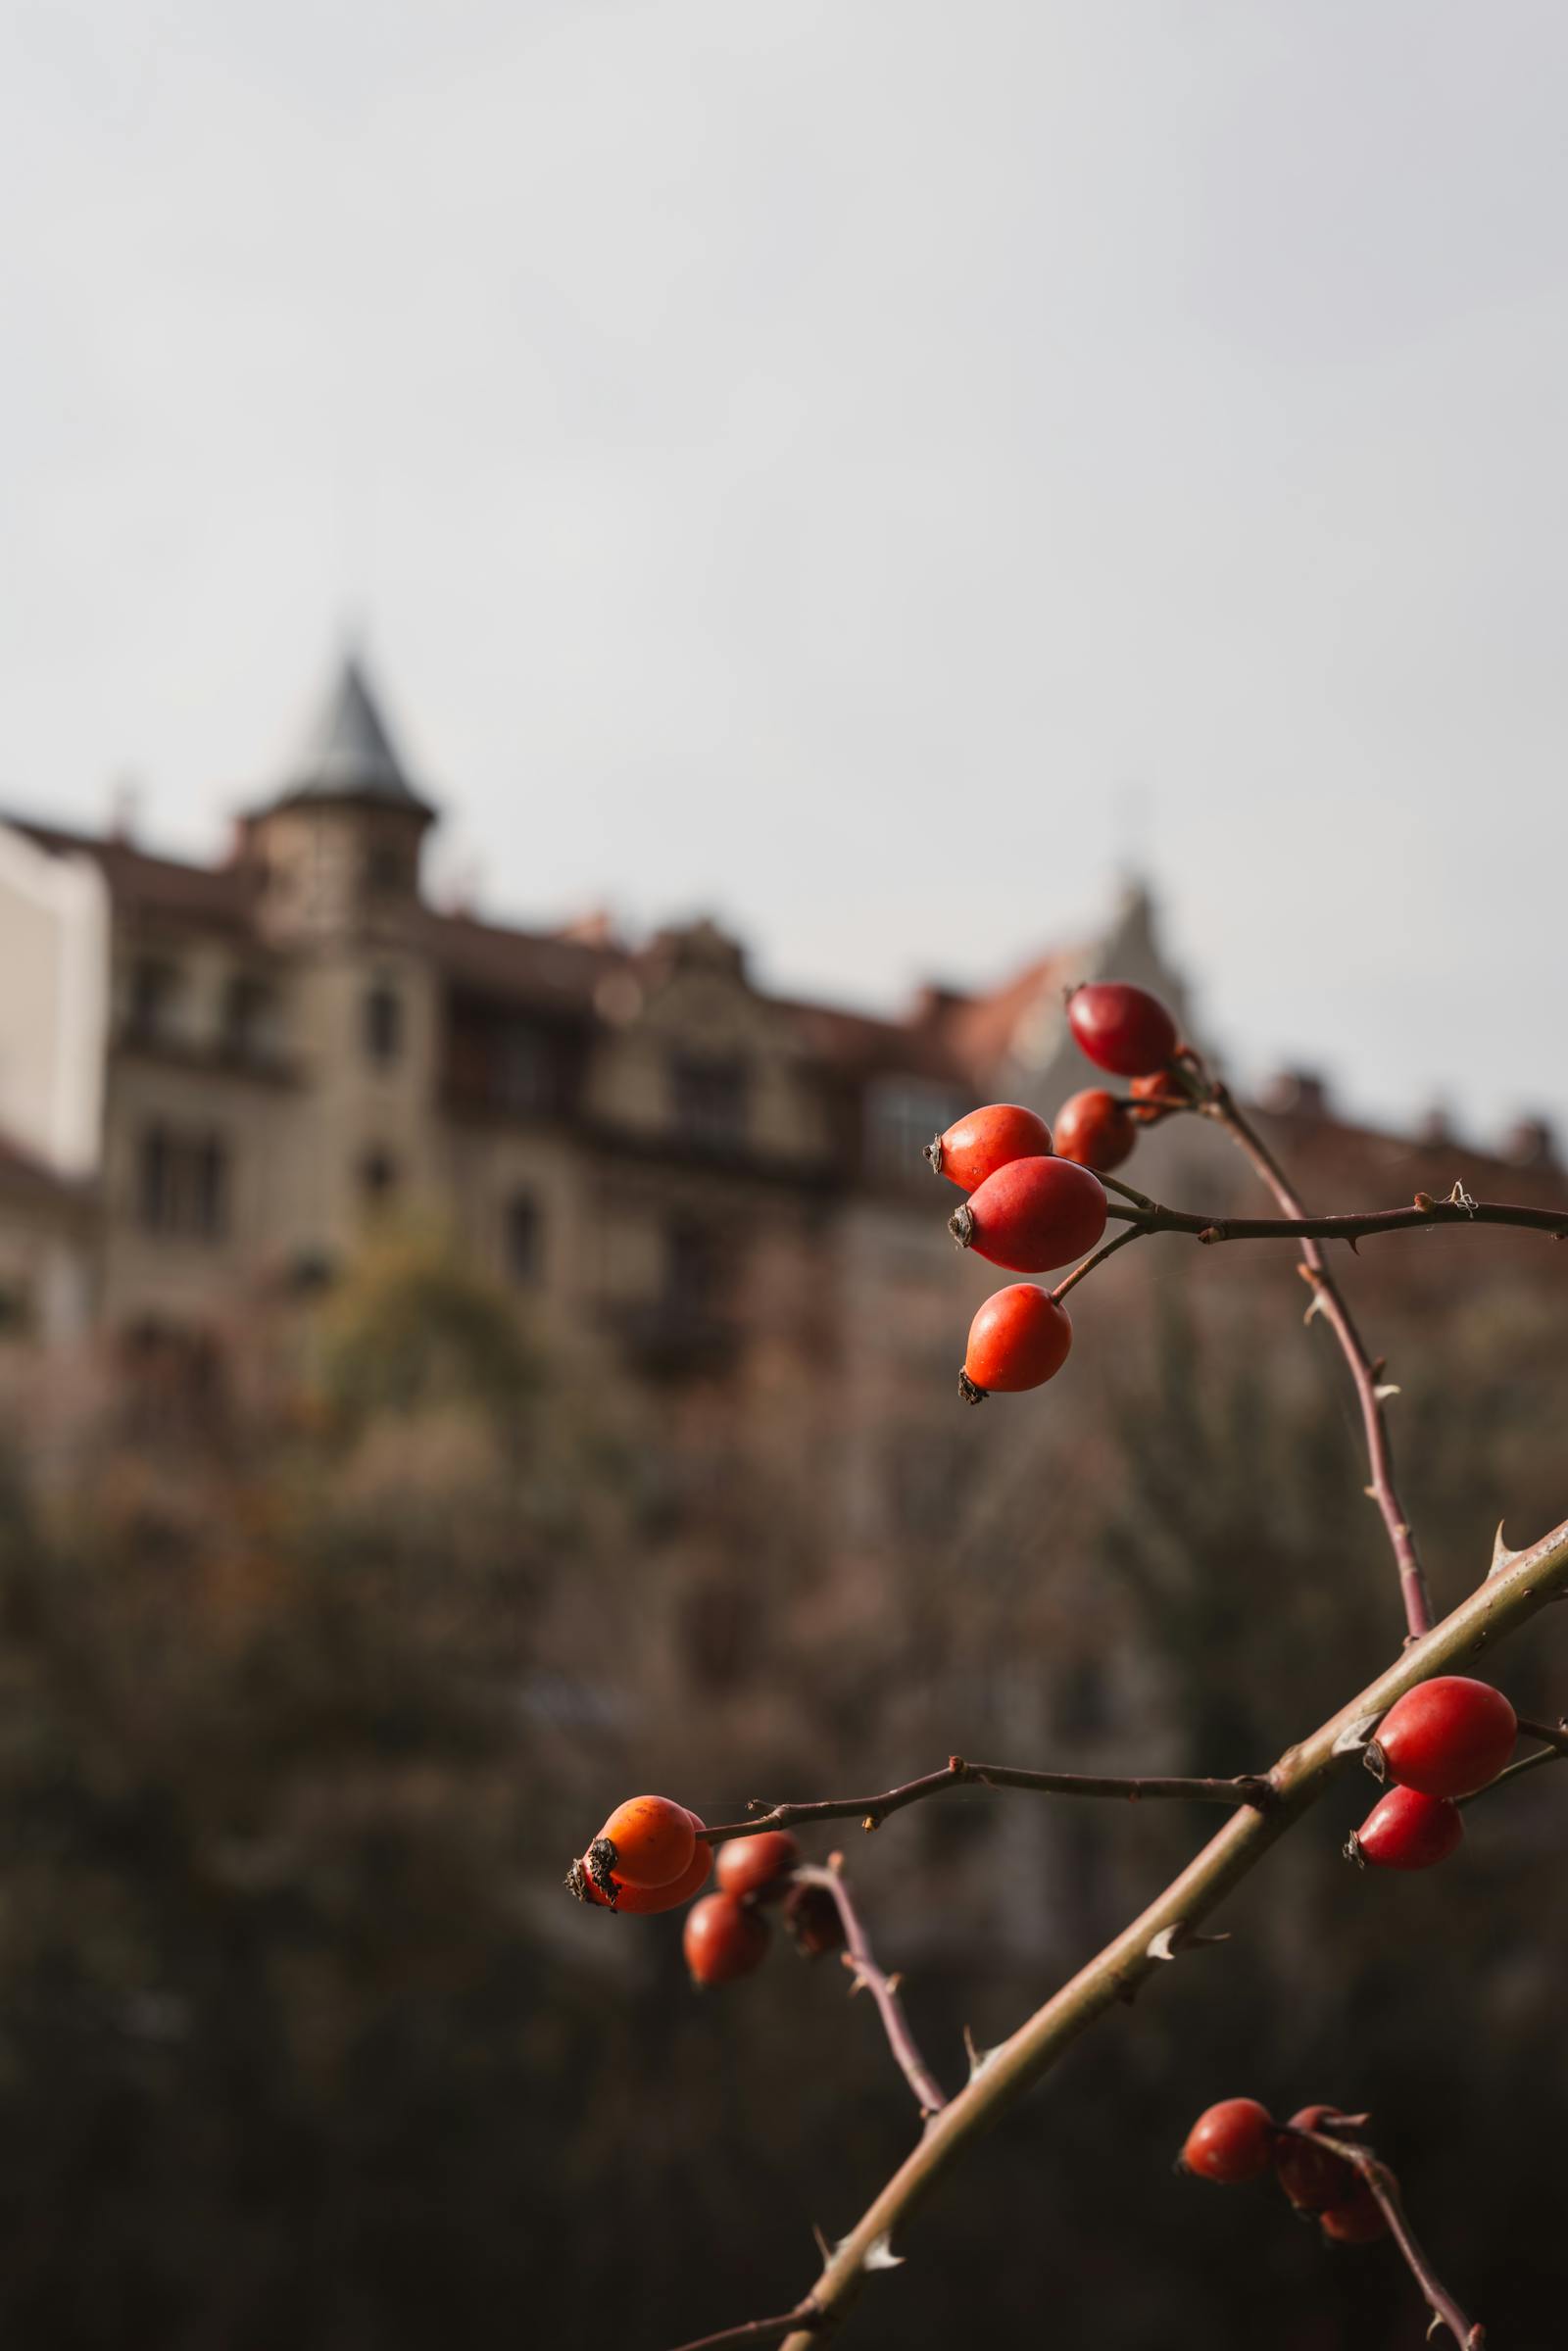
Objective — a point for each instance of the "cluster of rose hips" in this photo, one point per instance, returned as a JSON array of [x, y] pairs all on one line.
[[1447, 1737], [1238, 2139], [653, 1854], [1037, 1203]]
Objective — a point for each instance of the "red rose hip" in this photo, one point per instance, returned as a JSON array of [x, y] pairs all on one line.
[[1096, 1130], [723, 1938], [813, 1918], [756, 1865], [1314, 2178], [1032, 1215], [1445, 1738], [1406, 1831], [982, 1141], [1358, 2220], [1233, 2140], [648, 1840], [1121, 1028], [645, 1902], [1019, 1338]]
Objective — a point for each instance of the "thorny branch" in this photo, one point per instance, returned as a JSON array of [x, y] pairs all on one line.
[[872, 1811], [1504, 1601], [1382, 2184], [858, 1957]]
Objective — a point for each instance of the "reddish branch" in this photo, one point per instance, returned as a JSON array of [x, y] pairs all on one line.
[[803, 2319], [1382, 2184], [1423, 1214], [872, 1811], [859, 1958], [1215, 1101]]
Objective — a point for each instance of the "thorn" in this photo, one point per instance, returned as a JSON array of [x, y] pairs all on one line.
[[1371, 1492], [1352, 1245], [1379, 1364], [893, 1981], [1354, 1735], [1384, 1389], [1177, 1938], [822, 2245], [1316, 1307], [879, 2254], [1501, 1556], [979, 2059]]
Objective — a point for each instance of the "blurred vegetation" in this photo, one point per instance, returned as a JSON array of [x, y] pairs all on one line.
[[301, 2041]]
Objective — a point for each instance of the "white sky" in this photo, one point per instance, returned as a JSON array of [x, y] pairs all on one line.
[[866, 468]]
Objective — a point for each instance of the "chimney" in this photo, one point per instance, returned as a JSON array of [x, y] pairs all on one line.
[[1529, 1142], [1296, 1094]]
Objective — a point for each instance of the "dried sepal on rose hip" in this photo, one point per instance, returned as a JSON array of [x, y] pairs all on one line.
[[1230, 2141], [758, 1866], [723, 1938], [1032, 1215], [1096, 1130], [645, 1902], [976, 1144], [1406, 1831], [1019, 1338], [1446, 1738], [1121, 1028]]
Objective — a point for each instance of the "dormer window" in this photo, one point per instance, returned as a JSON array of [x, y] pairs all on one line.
[[710, 1100]]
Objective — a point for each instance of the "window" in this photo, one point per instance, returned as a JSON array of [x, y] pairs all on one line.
[[521, 1068], [694, 1266], [183, 1184], [524, 1236], [250, 1018], [386, 866], [383, 1023], [378, 1178], [155, 992], [709, 1101], [901, 1114]]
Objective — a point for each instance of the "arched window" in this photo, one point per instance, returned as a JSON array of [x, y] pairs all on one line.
[[383, 1023]]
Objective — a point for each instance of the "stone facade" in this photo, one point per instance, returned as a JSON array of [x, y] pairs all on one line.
[[294, 1047]]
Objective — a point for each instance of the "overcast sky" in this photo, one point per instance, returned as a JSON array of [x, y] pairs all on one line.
[[870, 468]]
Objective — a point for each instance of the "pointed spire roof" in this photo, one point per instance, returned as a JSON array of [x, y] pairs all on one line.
[[349, 753]]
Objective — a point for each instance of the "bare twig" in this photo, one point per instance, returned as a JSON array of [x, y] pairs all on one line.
[[860, 1959], [1555, 1750], [1503, 1602], [1106, 1248], [1220, 1105], [872, 1811], [1424, 1214], [803, 2319], [1382, 2184]]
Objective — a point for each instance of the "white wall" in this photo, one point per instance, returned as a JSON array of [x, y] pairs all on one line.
[[54, 1002]]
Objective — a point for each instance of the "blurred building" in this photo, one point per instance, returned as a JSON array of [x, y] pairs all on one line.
[[217, 1081]]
